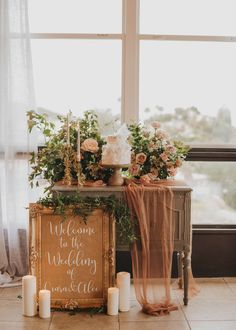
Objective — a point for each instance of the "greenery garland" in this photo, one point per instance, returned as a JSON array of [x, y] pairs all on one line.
[[84, 206]]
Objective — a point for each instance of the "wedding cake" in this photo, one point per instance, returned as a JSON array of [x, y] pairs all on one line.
[[117, 151]]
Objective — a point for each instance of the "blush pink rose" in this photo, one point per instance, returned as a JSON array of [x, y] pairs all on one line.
[[171, 149], [156, 124], [169, 164], [90, 145], [178, 162], [162, 135], [134, 169], [141, 158], [164, 156], [154, 172], [172, 171]]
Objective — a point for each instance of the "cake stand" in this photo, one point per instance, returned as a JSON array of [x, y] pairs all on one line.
[[116, 179]]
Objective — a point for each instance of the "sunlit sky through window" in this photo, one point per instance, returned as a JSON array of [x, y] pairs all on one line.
[[86, 74], [185, 74]]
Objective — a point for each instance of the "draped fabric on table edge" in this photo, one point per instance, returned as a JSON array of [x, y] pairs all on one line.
[[152, 205]]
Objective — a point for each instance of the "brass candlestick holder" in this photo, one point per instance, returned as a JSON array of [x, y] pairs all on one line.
[[71, 163], [80, 175], [116, 179], [67, 180]]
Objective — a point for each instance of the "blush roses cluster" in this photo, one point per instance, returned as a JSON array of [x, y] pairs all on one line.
[[154, 154]]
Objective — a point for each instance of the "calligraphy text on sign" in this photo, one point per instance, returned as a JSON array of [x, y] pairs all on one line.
[[72, 256]]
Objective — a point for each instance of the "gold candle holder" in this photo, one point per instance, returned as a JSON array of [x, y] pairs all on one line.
[[67, 180]]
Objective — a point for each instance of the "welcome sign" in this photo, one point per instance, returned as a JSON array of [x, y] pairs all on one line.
[[72, 259]]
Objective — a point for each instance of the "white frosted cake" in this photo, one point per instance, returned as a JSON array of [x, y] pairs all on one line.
[[117, 151]]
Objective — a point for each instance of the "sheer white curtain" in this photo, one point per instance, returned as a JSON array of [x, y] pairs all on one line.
[[16, 97]]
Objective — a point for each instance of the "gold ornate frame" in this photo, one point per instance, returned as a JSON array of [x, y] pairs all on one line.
[[37, 218]]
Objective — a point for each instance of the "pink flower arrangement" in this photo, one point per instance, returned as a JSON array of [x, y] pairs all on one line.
[[154, 154]]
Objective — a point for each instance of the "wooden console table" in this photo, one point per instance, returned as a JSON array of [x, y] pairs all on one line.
[[182, 218]]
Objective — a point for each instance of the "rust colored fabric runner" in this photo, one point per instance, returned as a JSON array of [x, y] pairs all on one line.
[[152, 205]]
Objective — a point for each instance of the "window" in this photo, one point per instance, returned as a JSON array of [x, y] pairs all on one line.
[[77, 56], [77, 74], [190, 84], [187, 78], [187, 17], [214, 194], [75, 16], [171, 61]]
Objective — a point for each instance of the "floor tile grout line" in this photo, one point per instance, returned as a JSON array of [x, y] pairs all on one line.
[[188, 323], [185, 317], [231, 290], [224, 280]]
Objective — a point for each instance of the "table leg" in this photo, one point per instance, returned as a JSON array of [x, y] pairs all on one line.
[[180, 269], [186, 264]]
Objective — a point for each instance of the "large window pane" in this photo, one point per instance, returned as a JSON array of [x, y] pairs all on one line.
[[77, 75], [75, 16], [209, 17], [214, 194], [190, 87]]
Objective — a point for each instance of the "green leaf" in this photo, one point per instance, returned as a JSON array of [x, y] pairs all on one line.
[[47, 132]]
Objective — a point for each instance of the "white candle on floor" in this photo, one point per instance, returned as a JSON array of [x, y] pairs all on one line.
[[29, 295], [123, 283], [44, 304], [112, 301]]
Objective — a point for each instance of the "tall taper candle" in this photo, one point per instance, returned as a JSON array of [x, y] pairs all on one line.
[[29, 295], [78, 144], [68, 128], [44, 304], [112, 301], [123, 283]]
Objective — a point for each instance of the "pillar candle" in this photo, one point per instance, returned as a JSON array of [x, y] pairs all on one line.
[[123, 283], [44, 304], [29, 295], [78, 144], [112, 301]]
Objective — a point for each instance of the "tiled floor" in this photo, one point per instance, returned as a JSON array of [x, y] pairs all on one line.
[[213, 309]]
